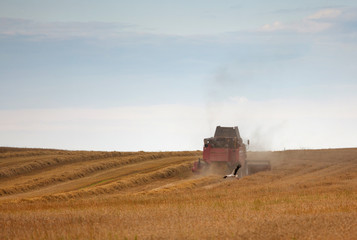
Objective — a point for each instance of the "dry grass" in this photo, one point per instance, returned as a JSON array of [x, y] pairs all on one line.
[[309, 194]]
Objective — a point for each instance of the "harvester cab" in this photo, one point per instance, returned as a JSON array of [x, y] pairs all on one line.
[[224, 152]]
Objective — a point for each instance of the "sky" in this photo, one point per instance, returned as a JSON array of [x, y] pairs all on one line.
[[161, 75]]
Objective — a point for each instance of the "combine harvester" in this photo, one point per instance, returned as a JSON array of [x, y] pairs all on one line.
[[225, 151]]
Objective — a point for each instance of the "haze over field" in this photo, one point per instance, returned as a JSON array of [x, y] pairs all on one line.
[[153, 75]]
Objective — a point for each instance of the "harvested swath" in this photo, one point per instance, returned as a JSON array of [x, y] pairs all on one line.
[[56, 161], [15, 149], [31, 154], [87, 170], [7, 152], [185, 185], [117, 186], [11, 149], [143, 167], [23, 168], [77, 173], [34, 153]]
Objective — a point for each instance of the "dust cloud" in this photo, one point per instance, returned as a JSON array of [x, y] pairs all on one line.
[[226, 105]]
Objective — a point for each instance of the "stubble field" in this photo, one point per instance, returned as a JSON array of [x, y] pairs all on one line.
[[56, 194]]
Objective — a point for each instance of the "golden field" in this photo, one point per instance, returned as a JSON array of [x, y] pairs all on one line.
[[57, 194]]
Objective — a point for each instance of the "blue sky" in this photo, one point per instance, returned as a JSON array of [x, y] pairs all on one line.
[[160, 75]]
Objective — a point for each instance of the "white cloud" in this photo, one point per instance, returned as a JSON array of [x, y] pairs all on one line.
[[329, 13], [304, 26], [273, 27], [319, 21], [307, 26]]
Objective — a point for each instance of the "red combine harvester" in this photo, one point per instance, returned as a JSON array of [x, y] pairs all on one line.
[[225, 151]]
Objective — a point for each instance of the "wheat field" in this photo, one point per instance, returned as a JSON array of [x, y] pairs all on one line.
[[57, 194]]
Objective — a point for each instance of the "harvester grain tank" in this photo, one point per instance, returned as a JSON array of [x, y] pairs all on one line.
[[226, 149]]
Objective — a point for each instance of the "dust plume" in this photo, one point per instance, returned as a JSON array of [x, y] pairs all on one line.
[[227, 106]]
